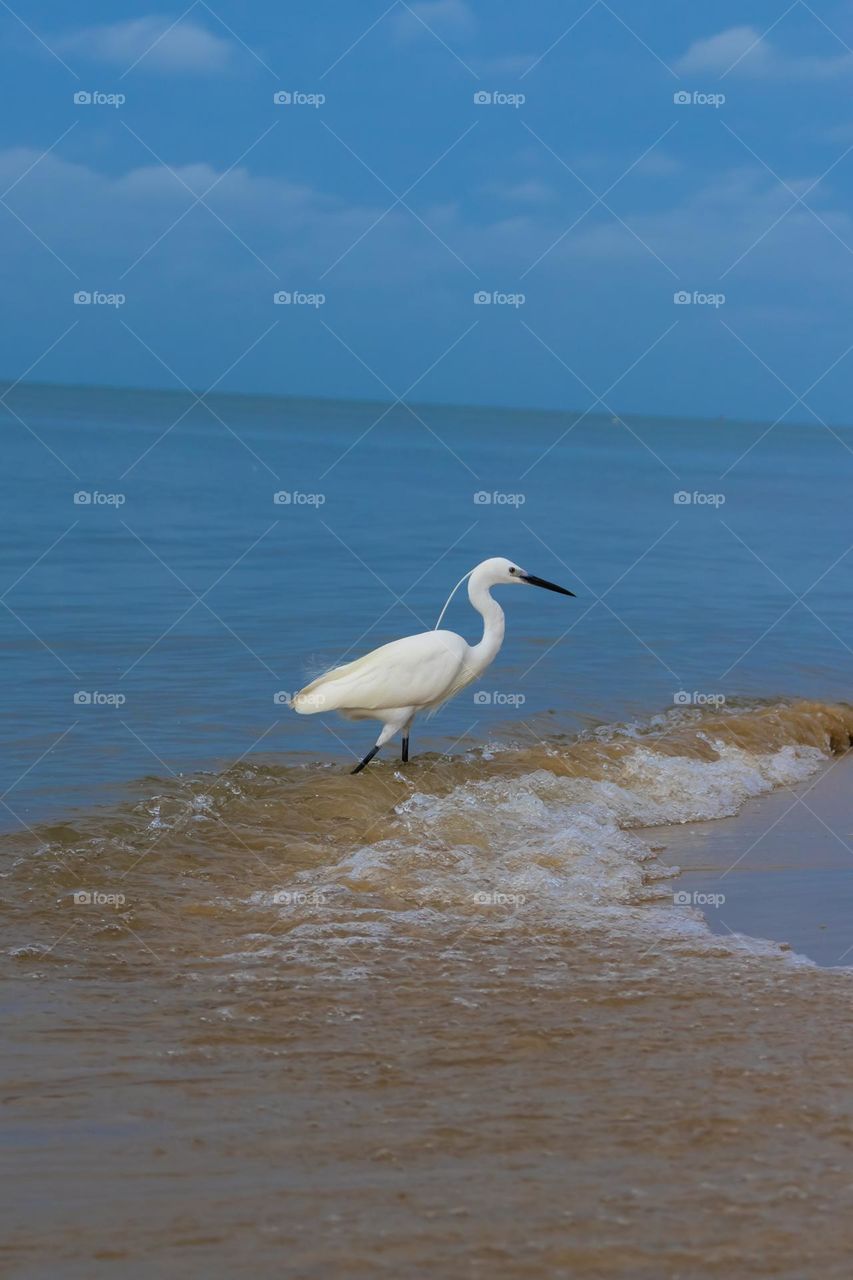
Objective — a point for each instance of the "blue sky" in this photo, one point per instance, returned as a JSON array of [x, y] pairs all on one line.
[[398, 198]]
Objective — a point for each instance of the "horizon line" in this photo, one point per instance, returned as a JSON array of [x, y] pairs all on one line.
[[718, 420]]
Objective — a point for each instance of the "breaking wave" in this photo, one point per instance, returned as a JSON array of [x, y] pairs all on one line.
[[514, 836]]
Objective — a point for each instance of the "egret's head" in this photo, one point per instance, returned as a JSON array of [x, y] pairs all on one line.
[[499, 570]]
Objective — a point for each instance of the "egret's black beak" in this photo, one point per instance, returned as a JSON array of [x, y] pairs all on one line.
[[549, 586]]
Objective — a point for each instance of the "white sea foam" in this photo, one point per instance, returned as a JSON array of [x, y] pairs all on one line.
[[570, 850]]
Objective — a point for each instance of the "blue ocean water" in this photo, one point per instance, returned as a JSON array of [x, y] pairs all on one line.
[[172, 568]]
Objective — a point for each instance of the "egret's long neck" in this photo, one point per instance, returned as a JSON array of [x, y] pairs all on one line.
[[493, 623]]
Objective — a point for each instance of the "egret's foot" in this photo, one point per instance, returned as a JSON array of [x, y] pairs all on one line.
[[367, 759], [405, 752]]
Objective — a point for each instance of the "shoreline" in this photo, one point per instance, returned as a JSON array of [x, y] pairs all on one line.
[[783, 867]]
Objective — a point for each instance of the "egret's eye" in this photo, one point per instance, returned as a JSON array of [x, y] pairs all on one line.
[[512, 570]]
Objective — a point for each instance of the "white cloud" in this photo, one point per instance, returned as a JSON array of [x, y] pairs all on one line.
[[718, 53], [155, 42], [743, 211], [838, 132], [531, 191], [511, 64], [444, 17], [657, 164], [744, 51], [101, 223]]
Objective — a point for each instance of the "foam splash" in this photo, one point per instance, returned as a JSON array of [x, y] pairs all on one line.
[[563, 848], [525, 837]]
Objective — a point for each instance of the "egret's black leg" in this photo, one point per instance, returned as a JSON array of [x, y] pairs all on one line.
[[405, 753], [367, 759]]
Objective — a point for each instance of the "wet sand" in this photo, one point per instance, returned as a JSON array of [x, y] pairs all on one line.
[[213, 1078], [784, 866], [572, 1106]]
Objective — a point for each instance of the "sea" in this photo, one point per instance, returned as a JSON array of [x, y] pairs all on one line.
[[560, 995]]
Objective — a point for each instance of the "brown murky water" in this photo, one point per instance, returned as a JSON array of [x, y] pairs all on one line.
[[444, 1022]]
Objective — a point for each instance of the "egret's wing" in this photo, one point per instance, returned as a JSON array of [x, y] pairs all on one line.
[[405, 673], [464, 676]]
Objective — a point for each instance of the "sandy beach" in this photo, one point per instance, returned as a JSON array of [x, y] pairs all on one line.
[[359, 1079]]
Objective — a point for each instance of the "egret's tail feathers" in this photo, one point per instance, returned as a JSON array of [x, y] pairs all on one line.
[[313, 698], [304, 703], [326, 692]]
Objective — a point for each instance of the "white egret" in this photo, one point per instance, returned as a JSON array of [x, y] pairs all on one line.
[[418, 673]]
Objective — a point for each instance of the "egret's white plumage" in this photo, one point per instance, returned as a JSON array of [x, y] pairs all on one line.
[[418, 673]]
